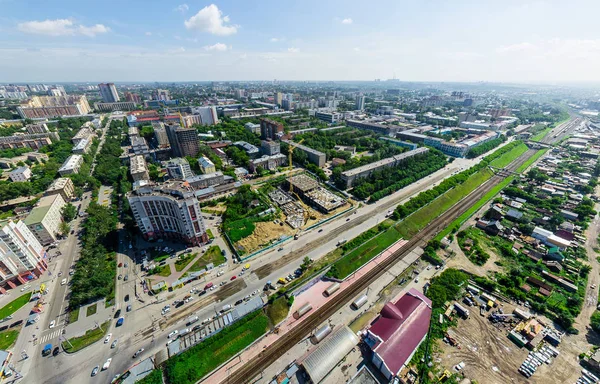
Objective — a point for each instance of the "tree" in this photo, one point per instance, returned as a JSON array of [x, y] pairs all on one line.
[[69, 212], [153, 172], [147, 132], [64, 228]]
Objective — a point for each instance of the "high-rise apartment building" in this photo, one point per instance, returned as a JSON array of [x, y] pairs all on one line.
[[278, 98], [168, 210], [360, 103], [208, 115], [21, 255], [161, 134], [109, 93], [184, 141], [161, 94], [133, 97], [269, 129]]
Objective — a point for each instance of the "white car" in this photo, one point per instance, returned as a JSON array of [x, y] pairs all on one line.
[[107, 338], [106, 365], [189, 299], [220, 273], [52, 324], [173, 334], [593, 286], [255, 292], [170, 341]]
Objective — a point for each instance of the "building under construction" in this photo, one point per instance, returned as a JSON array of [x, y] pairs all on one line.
[[309, 190]]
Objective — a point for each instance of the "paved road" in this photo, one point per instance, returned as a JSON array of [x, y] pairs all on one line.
[[145, 327]]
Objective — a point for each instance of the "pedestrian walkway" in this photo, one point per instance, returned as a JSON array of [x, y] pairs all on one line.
[[50, 336]]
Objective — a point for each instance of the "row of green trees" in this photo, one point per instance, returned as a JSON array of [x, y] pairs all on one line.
[[387, 181], [428, 196], [485, 147]]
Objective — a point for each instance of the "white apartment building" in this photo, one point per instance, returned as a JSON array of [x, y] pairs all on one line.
[[168, 210], [62, 186], [21, 255], [44, 220], [20, 174], [71, 165]]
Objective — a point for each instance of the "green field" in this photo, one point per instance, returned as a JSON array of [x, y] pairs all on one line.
[[7, 339], [210, 234], [193, 364], [212, 255], [541, 134], [184, 260], [362, 254], [91, 336], [14, 305]]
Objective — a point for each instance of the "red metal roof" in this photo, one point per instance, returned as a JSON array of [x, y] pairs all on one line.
[[401, 327]]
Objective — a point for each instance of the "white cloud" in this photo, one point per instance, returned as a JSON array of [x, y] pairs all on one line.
[[183, 8], [276, 39], [217, 47], [243, 56], [61, 27], [347, 21], [293, 50], [93, 30], [356, 49], [210, 19], [520, 47], [148, 33]]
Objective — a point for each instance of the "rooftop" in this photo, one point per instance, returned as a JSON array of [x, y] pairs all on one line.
[[380, 163]]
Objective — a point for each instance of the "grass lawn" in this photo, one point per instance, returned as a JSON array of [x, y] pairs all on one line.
[[8, 338], [365, 252], [91, 310], [14, 305], [509, 156], [193, 364], [74, 315], [164, 270], [91, 336], [155, 377], [541, 134], [488, 196], [212, 255], [278, 310], [210, 234], [184, 260]]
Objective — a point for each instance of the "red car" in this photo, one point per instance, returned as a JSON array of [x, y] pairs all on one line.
[[207, 286], [233, 277], [120, 265]]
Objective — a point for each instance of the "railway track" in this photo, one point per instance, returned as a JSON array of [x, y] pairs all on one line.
[[248, 371]]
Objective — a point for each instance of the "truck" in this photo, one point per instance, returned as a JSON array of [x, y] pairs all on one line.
[[462, 311], [341, 242], [47, 350]]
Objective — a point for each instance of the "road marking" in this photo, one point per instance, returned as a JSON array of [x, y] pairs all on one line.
[[50, 336]]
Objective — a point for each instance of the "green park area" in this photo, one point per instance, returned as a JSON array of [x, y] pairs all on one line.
[[278, 309], [155, 377], [91, 310], [212, 255], [74, 315], [184, 260], [193, 364], [14, 305], [8, 338], [75, 344]]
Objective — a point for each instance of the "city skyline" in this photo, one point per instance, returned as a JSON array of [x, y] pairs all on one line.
[[224, 40]]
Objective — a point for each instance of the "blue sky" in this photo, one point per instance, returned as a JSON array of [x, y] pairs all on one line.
[[129, 40]]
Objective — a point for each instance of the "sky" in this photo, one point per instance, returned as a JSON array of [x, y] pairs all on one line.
[[545, 41]]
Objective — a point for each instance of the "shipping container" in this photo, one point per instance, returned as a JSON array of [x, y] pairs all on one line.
[[472, 289], [302, 311], [359, 302], [320, 334], [331, 289], [461, 310], [487, 297]]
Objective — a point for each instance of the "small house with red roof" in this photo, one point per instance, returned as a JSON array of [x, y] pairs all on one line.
[[398, 331]]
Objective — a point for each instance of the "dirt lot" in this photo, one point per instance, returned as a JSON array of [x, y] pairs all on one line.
[[264, 233], [491, 357]]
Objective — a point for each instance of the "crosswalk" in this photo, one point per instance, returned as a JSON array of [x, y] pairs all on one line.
[[49, 336]]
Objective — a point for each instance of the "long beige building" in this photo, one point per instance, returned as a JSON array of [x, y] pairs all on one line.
[[51, 106], [44, 220]]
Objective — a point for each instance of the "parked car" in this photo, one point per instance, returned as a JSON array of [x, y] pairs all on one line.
[[240, 301], [137, 353], [120, 265], [129, 308], [126, 278], [126, 298], [173, 334], [233, 277], [56, 351]]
